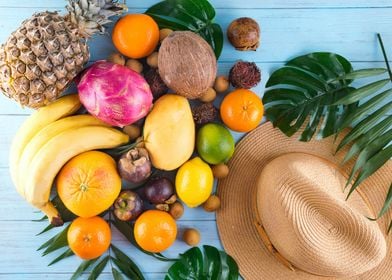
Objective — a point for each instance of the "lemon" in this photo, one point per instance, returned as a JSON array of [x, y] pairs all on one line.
[[215, 144], [194, 182]]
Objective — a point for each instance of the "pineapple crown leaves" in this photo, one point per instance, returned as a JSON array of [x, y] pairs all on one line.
[[90, 16]]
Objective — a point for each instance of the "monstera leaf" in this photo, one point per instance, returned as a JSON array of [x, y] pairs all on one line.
[[304, 91], [193, 15], [314, 91], [214, 265]]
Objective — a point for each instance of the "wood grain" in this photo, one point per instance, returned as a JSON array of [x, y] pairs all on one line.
[[285, 32], [265, 4]]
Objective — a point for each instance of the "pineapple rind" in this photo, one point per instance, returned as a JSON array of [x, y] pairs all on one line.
[[42, 57]]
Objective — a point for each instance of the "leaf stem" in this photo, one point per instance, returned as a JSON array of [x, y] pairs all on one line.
[[385, 55]]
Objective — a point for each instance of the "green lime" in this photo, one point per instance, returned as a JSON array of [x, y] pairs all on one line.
[[215, 144]]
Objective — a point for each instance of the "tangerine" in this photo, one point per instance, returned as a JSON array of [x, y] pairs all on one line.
[[89, 183], [155, 231], [136, 35], [241, 110], [89, 238]]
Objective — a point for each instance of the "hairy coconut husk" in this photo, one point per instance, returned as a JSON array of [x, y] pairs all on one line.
[[187, 64]]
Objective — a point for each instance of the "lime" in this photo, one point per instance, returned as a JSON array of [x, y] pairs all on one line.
[[215, 144], [194, 182]]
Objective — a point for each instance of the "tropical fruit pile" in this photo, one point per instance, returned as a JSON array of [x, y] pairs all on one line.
[[142, 136]]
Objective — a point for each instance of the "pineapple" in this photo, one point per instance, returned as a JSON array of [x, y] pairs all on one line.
[[41, 58]]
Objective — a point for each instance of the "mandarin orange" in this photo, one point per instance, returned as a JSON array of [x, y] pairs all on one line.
[[241, 110], [155, 231], [136, 35], [89, 238]]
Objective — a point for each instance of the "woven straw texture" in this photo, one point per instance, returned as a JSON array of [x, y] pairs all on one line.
[[238, 214]]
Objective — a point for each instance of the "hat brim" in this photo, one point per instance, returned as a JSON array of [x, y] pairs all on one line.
[[237, 216]]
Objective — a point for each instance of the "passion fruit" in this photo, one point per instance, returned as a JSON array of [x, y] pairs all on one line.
[[244, 34]]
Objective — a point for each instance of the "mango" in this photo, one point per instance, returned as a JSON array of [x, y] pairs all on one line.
[[169, 132]]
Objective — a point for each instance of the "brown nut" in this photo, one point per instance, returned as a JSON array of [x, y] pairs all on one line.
[[212, 204], [191, 236], [116, 58], [176, 210], [208, 96], [220, 171], [134, 65], [221, 84], [152, 60], [163, 33], [163, 207], [171, 199], [133, 131]]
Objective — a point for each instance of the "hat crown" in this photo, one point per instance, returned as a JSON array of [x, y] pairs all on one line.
[[302, 207]]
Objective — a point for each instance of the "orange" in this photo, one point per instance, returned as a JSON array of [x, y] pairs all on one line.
[[241, 110], [89, 183], [155, 231], [136, 35], [89, 238]]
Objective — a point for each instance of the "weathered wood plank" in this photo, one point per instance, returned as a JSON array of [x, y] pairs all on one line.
[[67, 276], [285, 33], [18, 240], [250, 4]]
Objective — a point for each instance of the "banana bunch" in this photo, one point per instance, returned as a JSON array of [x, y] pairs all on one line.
[[46, 141]]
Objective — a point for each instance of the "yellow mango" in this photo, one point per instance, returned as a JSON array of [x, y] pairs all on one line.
[[169, 132]]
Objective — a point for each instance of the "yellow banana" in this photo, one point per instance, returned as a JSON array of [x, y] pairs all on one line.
[[55, 153], [64, 106], [47, 133]]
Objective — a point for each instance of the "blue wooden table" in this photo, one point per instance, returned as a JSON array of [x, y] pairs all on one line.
[[289, 28]]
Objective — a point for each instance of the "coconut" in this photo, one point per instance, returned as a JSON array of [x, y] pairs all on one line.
[[187, 64]]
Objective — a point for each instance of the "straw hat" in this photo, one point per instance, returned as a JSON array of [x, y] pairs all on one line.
[[284, 213]]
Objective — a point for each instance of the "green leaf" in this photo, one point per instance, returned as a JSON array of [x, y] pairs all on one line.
[[326, 65], [127, 230], [59, 241], [390, 227], [304, 80], [362, 92], [83, 267], [194, 15], [126, 270], [46, 229], [234, 271], [365, 139], [363, 73], [116, 274], [212, 262], [193, 266], [97, 270], [65, 214], [387, 204], [301, 93], [365, 108], [124, 259], [369, 151], [44, 218], [365, 125], [371, 166], [64, 255], [50, 241]]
